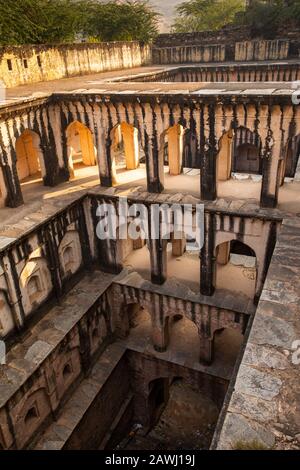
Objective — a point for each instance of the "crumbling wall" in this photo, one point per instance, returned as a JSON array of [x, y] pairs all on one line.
[[33, 63], [228, 44]]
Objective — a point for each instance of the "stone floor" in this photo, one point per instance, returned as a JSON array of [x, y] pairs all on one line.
[[187, 422], [186, 353], [90, 81], [186, 270], [101, 82], [42, 202]]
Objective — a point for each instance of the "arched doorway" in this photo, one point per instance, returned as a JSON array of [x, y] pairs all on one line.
[[184, 338], [157, 399], [30, 163], [247, 152], [81, 150], [292, 154], [182, 259], [133, 253], [172, 149], [3, 192], [127, 154], [183, 415], [190, 151], [247, 159], [236, 268], [224, 157], [135, 322], [227, 346]]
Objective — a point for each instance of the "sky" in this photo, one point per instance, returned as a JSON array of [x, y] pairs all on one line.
[[167, 8]]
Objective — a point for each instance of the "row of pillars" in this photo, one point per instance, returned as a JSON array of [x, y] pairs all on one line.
[[271, 168], [160, 333]]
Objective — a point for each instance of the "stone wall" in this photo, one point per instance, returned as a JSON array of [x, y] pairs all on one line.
[[99, 417], [146, 369], [276, 49], [29, 64], [43, 368], [226, 35], [228, 44], [263, 409], [261, 50], [189, 54], [41, 266]]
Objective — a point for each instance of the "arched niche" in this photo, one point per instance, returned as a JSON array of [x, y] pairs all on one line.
[[35, 283], [6, 318], [70, 253], [31, 415]]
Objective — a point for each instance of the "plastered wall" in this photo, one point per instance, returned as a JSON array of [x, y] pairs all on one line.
[[29, 64]]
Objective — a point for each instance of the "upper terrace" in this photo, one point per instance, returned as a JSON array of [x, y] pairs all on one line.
[[149, 86], [175, 100]]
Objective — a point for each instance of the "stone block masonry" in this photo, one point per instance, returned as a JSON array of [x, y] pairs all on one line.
[[264, 409]]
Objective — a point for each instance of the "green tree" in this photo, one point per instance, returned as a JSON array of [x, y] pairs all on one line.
[[126, 21], [40, 21], [206, 15], [265, 18], [54, 21]]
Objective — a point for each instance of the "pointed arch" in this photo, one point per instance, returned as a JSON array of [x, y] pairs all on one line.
[[236, 267], [80, 145], [171, 149], [224, 157], [30, 160], [247, 151]]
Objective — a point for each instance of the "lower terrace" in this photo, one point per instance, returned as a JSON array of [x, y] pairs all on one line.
[[112, 81], [261, 397], [42, 201]]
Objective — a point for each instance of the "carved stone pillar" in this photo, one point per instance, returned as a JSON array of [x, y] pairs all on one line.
[[207, 279], [206, 350]]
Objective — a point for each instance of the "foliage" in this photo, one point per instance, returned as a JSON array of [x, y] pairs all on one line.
[[54, 21], [39, 21], [206, 15], [266, 18], [126, 21], [250, 445]]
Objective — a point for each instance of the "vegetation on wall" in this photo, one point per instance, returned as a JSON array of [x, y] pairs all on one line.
[[59, 21], [263, 17]]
